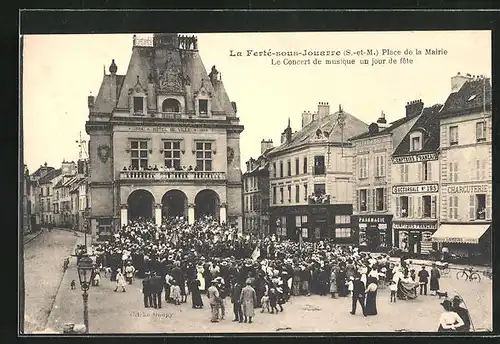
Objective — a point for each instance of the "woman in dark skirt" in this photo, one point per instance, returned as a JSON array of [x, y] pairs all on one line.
[[371, 296], [194, 286]]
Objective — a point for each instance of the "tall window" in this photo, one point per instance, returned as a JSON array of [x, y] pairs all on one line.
[[297, 194], [274, 170], [289, 193], [301, 224], [379, 166], [289, 168], [203, 106], [305, 165], [281, 169], [172, 154], [281, 195], [139, 154], [274, 195], [305, 191], [426, 206], [282, 229], [297, 166], [363, 167], [204, 156], [453, 170], [416, 142], [319, 165], [138, 104], [481, 131], [404, 172], [478, 207], [453, 135], [402, 206], [480, 169], [380, 199], [453, 207], [363, 200], [426, 170]]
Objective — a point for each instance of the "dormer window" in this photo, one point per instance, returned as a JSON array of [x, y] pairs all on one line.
[[203, 106], [137, 100], [170, 105], [415, 142], [138, 104]]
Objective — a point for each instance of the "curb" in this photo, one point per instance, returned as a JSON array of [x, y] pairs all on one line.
[[33, 237]]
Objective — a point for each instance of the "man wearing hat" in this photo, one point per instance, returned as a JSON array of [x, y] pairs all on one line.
[[423, 278], [129, 272], [146, 290], [248, 299], [213, 295], [462, 313], [358, 294], [235, 300]]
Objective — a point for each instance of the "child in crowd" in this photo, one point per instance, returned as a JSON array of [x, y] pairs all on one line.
[[393, 287], [350, 285], [97, 279], [273, 300], [264, 301], [175, 293]]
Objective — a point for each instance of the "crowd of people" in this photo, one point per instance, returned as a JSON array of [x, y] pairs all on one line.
[[177, 260]]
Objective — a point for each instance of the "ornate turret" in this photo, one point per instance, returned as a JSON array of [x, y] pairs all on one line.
[[166, 40]]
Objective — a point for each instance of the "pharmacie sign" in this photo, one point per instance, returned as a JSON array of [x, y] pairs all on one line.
[[414, 226], [414, 158], [369, 219], [403, 189]]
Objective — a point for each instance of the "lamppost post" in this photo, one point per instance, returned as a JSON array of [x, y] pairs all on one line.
[[86, 310], [85, 269]]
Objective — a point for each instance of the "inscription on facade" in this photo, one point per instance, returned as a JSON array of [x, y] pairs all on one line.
[[171, 129], [365, 219], [402, 189], [468, 188], [414, 158], [419, 226]]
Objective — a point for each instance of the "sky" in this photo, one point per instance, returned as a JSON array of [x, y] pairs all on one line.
[[60, 71]]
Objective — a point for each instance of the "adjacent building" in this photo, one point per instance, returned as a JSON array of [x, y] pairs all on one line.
[[256, 192], [164, 139], [415, 185], [372, 171], [466, 168], [26, 200], [36, 194], [311, 178]]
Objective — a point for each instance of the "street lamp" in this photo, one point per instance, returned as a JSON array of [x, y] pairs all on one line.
[[85, 268]]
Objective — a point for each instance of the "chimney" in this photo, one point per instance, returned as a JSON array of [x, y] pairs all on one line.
[[265, 145], [306, 118], [323, 110], [458, 80], [382, 119], [414, 108], [315, 116], [112, 82], [288, 132]]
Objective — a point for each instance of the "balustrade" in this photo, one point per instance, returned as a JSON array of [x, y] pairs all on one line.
[[172, 175]]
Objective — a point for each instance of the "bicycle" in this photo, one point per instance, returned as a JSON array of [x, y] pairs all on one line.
[[468, 274]]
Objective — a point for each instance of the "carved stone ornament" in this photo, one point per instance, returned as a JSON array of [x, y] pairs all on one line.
[[171, 78], [230, 155], [103, 152]]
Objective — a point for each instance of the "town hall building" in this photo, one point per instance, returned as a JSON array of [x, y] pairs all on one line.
[[164, 139]]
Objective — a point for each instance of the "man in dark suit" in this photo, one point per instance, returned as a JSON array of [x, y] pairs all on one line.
[[156, 289], [146, 290], [462, 313], [235, 300], [358, 294], [423, 279]]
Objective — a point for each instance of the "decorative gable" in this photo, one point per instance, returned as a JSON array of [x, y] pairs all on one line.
[[138, 97], [203, 99]]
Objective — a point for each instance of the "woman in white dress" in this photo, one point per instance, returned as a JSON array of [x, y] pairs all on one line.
[[120, 280], [449, 321], [199, 275]]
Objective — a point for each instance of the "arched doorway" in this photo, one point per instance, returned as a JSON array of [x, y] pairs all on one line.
[[140, 204], [170, 105], [174, 203], [206, 203]]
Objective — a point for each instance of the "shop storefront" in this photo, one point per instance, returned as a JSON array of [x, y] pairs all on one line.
[[374, 232], [469, 241], [313, 222], [414, 237]]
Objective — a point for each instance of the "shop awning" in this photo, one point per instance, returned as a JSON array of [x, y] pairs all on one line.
[[464, 234]]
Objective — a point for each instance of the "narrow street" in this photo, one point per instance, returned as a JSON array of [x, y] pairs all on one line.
[[43, 272]]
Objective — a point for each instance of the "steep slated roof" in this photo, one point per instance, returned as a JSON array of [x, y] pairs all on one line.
[[383, 131], [353, 126], [39, 171], [469, 98], [50, 175], [428, 123], [103, 103]]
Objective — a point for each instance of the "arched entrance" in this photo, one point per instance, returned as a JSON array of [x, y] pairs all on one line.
[[170, 105], [174, 203], [206, 202], [140, 204]]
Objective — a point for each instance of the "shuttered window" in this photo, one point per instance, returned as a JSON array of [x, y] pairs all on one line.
[[419, 173], [398, 212], [488, 206], [370, 200], [419, 207], [410, 207], [472, 207], [433, 207]]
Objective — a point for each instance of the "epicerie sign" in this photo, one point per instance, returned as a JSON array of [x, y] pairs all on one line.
[[414, 158], [419, 226], [468, 188], [402, 189]]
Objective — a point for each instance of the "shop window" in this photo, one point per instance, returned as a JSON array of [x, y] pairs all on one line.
[[297, 166], [281, 169], [304, 232], [301, 224], [289, 168], [481, 131], [282, 231], [203, 106], [478, 207], [403, 241], [363, 200], [453, 135], [319, 165], [380, 199], [342, 232], [426, 206]]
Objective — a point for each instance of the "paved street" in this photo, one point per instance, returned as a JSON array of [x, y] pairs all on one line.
[[119, 312], [43, 272]]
